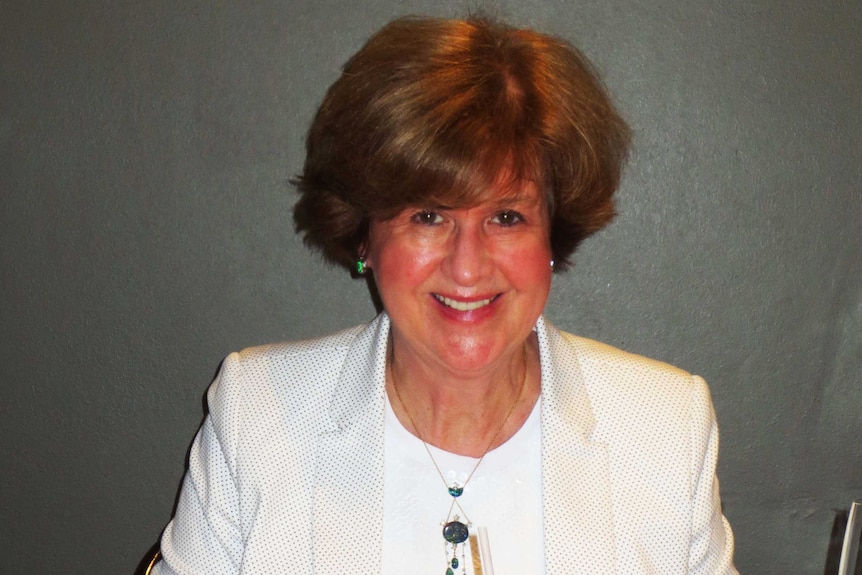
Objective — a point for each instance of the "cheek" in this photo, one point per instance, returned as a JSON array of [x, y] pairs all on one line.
[[533, 251], [403, 264], [529, 265]]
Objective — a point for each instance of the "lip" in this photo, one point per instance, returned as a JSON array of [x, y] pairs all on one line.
[[465, 305]]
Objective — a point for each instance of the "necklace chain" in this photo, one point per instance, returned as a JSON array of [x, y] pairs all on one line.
[[425, 443]]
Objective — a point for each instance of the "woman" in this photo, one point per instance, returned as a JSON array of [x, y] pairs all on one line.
[[457, 164]]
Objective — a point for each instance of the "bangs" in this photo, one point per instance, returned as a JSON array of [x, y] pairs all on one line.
[[467, 129], [465, 177]]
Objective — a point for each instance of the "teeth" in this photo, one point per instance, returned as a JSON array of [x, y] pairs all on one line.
[[462, 305]]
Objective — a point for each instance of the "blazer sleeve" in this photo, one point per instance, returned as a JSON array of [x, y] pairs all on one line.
[[204, 536], [711, 549]]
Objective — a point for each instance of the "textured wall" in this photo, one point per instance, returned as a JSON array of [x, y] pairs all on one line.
[[145, 149]]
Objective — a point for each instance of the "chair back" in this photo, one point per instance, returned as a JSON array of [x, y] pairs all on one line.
[[850, 548], [156, 556]]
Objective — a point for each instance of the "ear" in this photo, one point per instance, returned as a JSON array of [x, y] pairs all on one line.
[[363, 252]]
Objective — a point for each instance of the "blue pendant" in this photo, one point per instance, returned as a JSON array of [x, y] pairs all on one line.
[[455, 532], [456, 490], [454, 562]]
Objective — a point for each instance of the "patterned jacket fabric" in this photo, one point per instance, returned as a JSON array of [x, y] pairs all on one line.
[[286, 473]]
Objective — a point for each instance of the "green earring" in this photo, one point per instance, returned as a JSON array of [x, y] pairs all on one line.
[[361, 266]]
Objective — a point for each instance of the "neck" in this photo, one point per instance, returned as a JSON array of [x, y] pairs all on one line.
[[465, 414]]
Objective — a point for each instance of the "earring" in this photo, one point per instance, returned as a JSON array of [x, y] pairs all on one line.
[[361, 266], [552, 264]]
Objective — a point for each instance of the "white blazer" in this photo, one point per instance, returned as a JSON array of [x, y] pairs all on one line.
[[286, 473]]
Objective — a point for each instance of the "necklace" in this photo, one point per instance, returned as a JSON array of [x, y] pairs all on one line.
[[455, 531]]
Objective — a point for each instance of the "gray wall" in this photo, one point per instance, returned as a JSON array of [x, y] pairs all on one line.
[[145, 232]]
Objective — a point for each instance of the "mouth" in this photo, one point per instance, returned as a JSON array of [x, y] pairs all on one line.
[[464, 305]]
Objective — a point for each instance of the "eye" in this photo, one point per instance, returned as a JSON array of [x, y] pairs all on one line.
[[507, 218], [427, 218]]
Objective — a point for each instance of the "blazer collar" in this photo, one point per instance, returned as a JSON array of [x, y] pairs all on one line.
[[348, 485], [348, 490], [564, 392], [576, 492]]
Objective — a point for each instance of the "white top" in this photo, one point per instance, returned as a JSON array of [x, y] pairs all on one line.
[[504, 495]]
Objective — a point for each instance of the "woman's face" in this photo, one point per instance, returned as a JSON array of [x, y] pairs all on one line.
[[465, 286]]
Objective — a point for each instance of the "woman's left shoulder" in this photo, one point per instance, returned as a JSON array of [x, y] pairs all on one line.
[[621, 381], [603, 357]]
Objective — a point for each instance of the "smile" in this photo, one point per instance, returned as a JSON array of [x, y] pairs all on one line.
[[463, 305]]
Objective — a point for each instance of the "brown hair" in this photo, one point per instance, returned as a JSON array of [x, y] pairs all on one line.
[[431, 112]]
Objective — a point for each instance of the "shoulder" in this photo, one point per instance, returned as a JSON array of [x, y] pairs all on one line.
[[277, 362], [632, 392], [297, 352], [267, 401], [282, 378], [602, 360]]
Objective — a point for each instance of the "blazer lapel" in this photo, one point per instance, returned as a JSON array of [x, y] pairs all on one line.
[[576, 490], [348, 488]]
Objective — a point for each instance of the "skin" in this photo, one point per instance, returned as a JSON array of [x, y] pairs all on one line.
[[464, 288]]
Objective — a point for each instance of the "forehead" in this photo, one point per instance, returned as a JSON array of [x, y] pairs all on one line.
[[504, 191], [522, 194]]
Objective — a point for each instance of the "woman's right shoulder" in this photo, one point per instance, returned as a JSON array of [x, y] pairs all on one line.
[[287, 371], [268, 400], [297, 351]]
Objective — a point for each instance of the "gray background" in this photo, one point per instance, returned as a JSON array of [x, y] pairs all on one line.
[[145, 232]]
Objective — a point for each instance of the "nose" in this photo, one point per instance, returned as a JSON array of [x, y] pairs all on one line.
[[469, 258]]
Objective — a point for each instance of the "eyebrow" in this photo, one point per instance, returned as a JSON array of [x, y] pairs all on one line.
[[494, 202], [514, 201]]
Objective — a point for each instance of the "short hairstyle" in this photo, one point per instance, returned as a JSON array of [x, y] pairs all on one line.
[[431, 112]]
